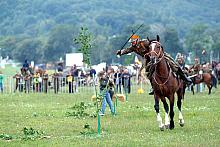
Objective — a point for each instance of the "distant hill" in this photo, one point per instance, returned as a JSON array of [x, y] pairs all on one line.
[[44, 30], [37, 17]]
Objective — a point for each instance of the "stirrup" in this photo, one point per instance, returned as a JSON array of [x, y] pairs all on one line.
[[151, 92]]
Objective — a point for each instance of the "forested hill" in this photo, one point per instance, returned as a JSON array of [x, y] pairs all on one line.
[[36, 17], [43, 30]]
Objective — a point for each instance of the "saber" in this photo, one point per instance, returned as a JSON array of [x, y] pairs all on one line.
[[133, 32]]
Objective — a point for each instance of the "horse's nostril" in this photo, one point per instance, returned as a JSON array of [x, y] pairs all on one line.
[[152, 59]]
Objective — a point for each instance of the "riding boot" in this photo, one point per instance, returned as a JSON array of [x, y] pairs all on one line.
[[184, 77]]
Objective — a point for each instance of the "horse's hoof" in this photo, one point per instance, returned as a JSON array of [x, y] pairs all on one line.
[[181, 122], [162, 128], [167, 126], [171, 125]]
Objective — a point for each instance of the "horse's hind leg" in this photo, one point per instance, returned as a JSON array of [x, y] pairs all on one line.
[[159, 119], [192, 89], [171, 112], [210, 88], [166, 107], [179, 105]]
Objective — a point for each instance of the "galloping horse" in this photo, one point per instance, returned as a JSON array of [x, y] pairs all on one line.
[[165, 85], [206, 78]]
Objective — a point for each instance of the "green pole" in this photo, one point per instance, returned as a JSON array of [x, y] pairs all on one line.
[[116, 100], [126, 95], [99, 119], [116, 97], [114, 108], [99, 125]]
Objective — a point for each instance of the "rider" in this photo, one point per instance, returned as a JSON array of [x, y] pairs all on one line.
[[26, 65], [196, 67], [141, 48], [180, 60]]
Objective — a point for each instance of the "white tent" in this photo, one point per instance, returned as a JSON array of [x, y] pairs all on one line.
[[74, 58]]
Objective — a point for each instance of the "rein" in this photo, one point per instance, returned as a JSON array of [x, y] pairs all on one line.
[[160, 76]]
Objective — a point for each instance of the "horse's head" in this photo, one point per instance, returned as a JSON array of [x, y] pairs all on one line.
[[155, 51]]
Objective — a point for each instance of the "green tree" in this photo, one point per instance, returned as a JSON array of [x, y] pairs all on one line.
[[199, 38], [171, 42], [84, 40], [59, 42], [7, 45], [28, 49], [216, 47]]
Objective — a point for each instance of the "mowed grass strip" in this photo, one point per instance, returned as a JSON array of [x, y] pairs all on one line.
[[134, 125]]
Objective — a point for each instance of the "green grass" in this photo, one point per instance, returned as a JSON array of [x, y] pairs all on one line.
[[9, 70], [134, 125]]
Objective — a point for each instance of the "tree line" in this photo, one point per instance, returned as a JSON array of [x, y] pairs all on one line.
[[60, 41], [44, 30]]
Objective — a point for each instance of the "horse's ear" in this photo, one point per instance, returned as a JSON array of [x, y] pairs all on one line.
[[136, 42], [148, 39], [158, 38]]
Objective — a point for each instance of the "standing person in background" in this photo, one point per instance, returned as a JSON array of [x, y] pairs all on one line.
[[118, 80], [70, 82], [126, 81], [105, 87], [75, 75], [45, 82], [92, 74], [1, 82]]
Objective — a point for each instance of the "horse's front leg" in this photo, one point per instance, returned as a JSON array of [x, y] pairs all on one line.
[[159, 119], [166, 108]]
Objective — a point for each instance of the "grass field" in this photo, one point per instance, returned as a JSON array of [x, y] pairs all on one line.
[[134, 125]]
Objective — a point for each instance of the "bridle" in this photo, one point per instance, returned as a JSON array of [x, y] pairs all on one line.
[[153, 51], [159, 56]]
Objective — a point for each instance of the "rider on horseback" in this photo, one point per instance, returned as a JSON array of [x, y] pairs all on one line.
[[196, 67], [181, 61], [141, 48], [26, 65]]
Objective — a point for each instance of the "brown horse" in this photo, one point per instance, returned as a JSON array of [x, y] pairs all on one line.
[[206, 78], [165, 85]]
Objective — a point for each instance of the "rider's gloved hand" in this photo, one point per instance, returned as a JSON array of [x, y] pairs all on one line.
[[118, 52]]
